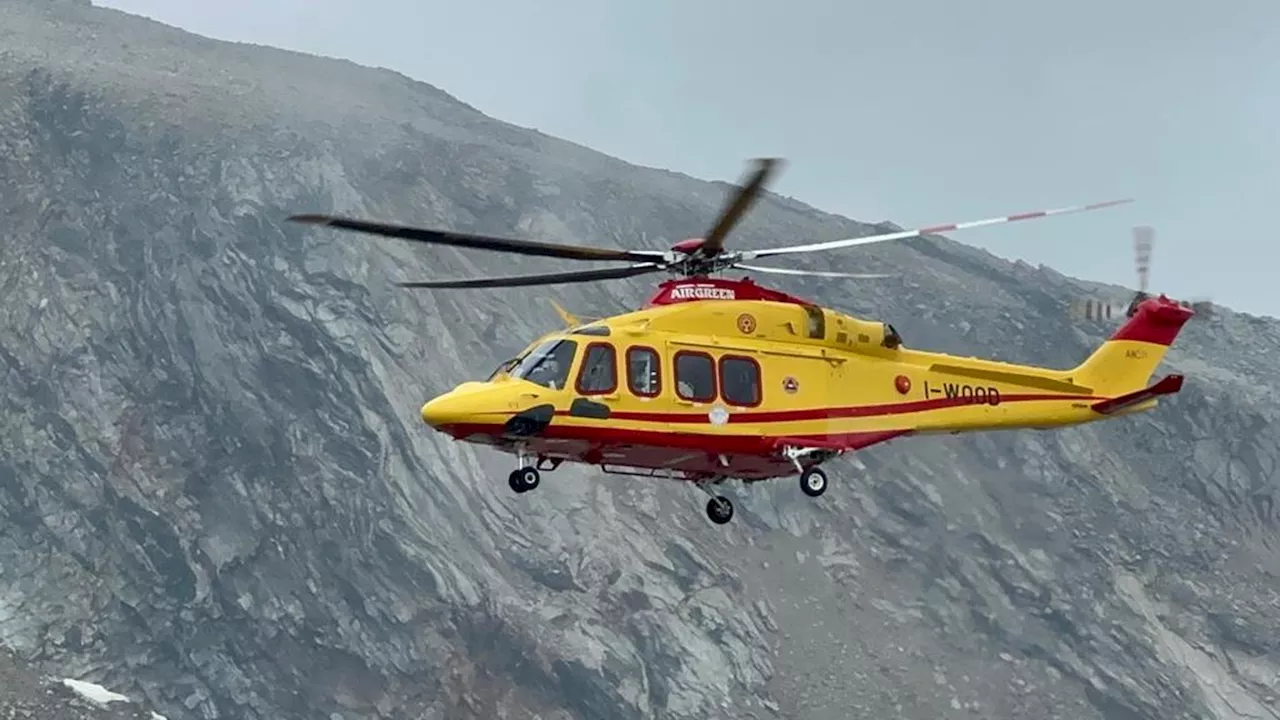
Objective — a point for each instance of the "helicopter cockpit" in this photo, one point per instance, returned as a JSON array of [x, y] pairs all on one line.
[[546, 365]]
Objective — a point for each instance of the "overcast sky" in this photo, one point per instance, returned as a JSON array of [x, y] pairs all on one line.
[[915, 111]]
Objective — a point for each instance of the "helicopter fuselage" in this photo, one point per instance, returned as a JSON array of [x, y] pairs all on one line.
[[710, 380]]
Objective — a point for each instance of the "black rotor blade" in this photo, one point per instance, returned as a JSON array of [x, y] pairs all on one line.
[[478, 242], [748, 191], [543, 279]]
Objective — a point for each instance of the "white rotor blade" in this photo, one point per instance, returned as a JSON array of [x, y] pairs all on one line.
[[811, 273], [904, 234]]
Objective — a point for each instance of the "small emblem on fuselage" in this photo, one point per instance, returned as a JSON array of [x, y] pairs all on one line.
[[790, 384], [746, 324], [903, 384], [718, 415]]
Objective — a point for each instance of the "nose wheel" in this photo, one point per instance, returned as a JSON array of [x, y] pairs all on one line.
[[524, 479], [813, 482]]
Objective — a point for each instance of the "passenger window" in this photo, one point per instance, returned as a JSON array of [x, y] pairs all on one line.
[[740, 381], [599, 373], [643, 368], [695, 376], [817, 322]]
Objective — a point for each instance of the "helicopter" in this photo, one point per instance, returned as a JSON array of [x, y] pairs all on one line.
[[1098, 309], [717, 379]]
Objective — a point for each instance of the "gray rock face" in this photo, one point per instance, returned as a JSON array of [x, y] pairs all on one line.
[[216, 494], [27, 695]]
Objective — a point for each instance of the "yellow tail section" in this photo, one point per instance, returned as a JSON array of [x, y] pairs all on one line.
[[1126, 361]]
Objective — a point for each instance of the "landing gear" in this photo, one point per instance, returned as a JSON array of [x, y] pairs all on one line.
[[719, 509], [524, 479], [813, 482]]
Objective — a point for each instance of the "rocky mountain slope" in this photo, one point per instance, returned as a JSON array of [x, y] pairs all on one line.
[[215, 493], [27, 695]]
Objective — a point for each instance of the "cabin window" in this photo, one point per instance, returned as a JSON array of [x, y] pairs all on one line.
[[740, 381], [548, 364], [643, 372], [599, 373], [695, 376]]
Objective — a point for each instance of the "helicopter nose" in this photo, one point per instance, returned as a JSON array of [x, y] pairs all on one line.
[[442, 411]]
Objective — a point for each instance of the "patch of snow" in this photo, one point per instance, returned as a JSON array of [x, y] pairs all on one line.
[[94, 693]]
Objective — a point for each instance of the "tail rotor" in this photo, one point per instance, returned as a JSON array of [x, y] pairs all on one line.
[[1097, 309]]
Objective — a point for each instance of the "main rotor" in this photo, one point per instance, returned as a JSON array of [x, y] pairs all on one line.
[[694, 257]]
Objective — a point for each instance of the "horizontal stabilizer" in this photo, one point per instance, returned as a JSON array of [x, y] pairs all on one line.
[[1167, 385]]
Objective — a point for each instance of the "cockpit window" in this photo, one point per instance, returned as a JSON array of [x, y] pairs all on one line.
[[548, 365], [505, 367]]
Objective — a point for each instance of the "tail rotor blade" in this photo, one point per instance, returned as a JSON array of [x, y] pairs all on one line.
[[1143, 239], [1097, 310]]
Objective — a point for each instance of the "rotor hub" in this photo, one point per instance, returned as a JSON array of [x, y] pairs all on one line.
[[689, 246]]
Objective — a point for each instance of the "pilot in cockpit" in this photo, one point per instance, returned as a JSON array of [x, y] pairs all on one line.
[[546, 373]]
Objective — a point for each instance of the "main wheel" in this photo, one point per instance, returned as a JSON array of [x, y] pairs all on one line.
[[524, 479], [720, 510], [813, 482]]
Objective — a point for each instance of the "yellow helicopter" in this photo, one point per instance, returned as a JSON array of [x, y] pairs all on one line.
[[716, 379]]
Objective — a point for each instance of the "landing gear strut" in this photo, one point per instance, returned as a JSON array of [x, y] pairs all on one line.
[[813, 482], [525, 477]]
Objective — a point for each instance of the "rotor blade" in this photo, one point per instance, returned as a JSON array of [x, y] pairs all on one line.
[[904, 234], [748, 191], [544, 279], [479, 242], [811, 273], [1143, 238]]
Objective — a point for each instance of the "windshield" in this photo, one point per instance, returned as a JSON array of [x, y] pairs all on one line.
[[548, 365], [503, 368]]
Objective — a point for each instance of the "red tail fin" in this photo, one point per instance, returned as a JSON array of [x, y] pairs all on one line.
[[1126, 361], [1158, 321]]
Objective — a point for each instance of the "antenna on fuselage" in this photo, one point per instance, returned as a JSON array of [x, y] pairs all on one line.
[[570, 320]]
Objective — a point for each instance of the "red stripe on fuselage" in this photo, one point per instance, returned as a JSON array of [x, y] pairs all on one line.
[[752, 457], [853, 411]]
